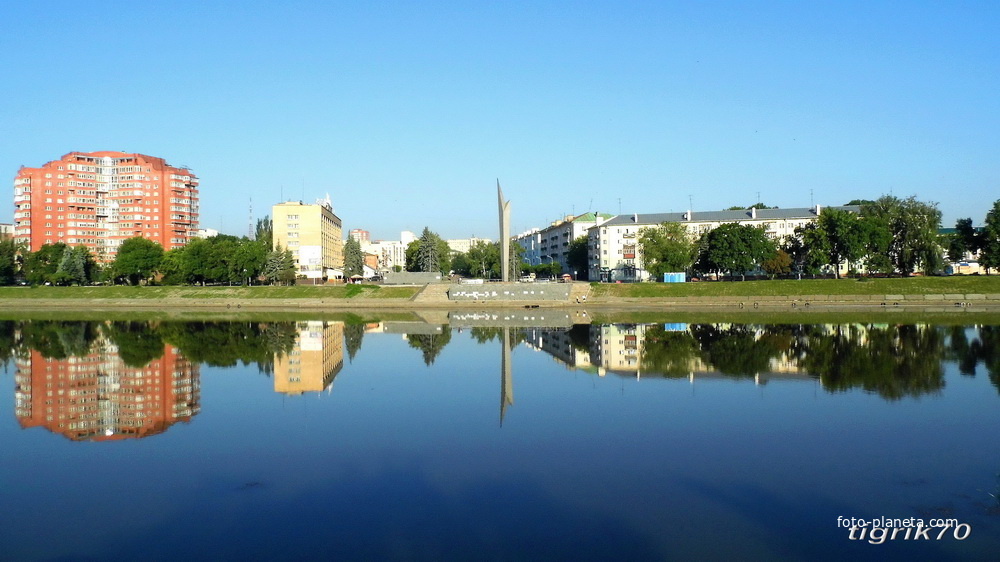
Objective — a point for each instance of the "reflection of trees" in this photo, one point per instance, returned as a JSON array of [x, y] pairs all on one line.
[[670, 354], [8, 340], [138, 343], [486, 334], [430, 344], [353, 335], [893, 361], [985, 349], [55, 339], [738, 349], [224, 344]]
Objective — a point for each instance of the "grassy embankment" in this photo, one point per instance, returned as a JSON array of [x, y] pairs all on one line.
[[222, 292], [978, 284], [909, 286]]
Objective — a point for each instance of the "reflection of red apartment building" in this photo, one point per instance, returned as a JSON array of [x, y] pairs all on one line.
[[99, 199], [98, 398]]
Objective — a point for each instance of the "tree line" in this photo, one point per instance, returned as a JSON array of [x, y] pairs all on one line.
[[219, 259], [889, 236]]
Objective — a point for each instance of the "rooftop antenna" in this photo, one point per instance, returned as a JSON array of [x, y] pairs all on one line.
[[690, 204], [758, 198], [619, 205], [250, 232], [811, 203]]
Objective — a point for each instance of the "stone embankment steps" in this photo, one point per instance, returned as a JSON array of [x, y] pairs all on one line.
[[579, 291], [433, 293]]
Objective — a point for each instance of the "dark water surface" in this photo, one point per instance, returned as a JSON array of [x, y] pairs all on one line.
[[284, 440]]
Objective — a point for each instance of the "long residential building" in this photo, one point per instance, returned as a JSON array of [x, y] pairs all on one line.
[[614, 249], [314, 235], [551, 244], [100, 199]]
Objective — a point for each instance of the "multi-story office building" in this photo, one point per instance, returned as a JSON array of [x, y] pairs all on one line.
[[313, 233], [100, 199], [615, 253]]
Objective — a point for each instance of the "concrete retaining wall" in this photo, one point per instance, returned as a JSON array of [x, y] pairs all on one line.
[[503, 292], [412, 278]]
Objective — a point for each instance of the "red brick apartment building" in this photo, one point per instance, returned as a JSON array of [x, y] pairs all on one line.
[[99, 199]]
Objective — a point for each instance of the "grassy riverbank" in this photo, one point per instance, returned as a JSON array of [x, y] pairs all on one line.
[[978, 284], [221, 292]]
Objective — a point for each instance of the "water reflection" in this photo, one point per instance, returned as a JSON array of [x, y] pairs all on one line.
[[114, 380], [103, 381], [313, 361], [893, 361], [94, 389]]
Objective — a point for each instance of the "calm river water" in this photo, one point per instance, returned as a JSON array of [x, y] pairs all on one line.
[[292, 440]]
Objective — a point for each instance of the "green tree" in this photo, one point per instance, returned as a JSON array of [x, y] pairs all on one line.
[[879, 236], [757, 205], [264, 232], [990, 239], [354, 260], [483, 258], [9, 251], [41, 265], [667, 248], [736, 249], [964, 241], [138, 259], [808, 249], [845, 237], [914, 226], [780, 264], [460, 265], [247, 262], [279, 266], [72, 268]]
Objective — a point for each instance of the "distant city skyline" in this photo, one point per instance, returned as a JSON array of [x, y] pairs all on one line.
[[406, 115]]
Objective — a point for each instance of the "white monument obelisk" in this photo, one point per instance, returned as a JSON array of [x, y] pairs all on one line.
[[504, 235]]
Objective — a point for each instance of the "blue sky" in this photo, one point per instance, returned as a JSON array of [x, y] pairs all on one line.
[[407, 113]]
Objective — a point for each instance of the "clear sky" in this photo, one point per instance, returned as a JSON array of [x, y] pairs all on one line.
[[407, 113]]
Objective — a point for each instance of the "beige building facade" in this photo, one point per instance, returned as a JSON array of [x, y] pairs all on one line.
[[313, 233]]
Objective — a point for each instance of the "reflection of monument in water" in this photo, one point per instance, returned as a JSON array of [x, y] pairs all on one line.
[[315, 360], [506, 375], [97, 397]]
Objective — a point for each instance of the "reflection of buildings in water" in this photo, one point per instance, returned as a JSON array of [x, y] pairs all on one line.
[[559, 344], [315, 360], [617, 349], [98, 398]]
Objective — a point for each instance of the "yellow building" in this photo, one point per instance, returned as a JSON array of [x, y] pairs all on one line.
[[313, 234], [316, 359]]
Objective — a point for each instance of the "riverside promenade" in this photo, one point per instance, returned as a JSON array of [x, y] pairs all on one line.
[[435, 296]]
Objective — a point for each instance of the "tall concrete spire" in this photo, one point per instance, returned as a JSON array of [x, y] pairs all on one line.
[[504, 235]]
